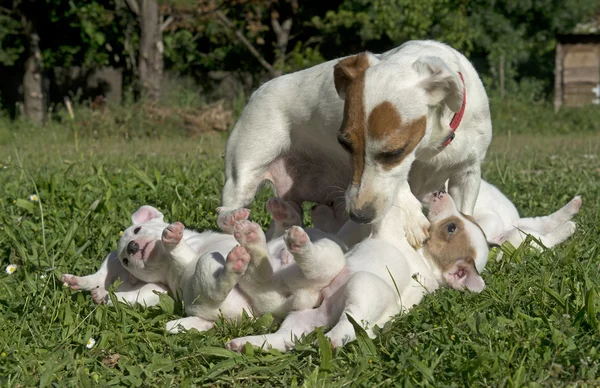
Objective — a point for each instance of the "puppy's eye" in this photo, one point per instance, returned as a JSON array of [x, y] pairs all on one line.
[[137, 230], [390, 156], [451, 228], [345, 143], [125, 261]]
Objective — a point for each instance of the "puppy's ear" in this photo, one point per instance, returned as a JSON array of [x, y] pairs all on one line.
[[441, 84], [463, 275], [349, 68], [145, 214]]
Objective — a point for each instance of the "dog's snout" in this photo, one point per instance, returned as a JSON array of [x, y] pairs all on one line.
[[133, 247], [363, 216]]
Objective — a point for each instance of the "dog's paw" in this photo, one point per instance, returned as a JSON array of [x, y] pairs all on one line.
[[416, 227], [248, 233], [71, 281], [296, 239], [238, 259], [574, 205], [99, 295], [173, 234], [228, 218], [570, 228], [284, 212]]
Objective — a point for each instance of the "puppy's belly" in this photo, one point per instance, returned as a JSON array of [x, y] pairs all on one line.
[[319, 174]]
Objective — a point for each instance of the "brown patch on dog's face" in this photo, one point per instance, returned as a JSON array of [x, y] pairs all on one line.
[[354, 112], [399, 139], [449, 242]]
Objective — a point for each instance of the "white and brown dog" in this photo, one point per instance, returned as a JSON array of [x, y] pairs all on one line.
[[385, 276], [395, 114]]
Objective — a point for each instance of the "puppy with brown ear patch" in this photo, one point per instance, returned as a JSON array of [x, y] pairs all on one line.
[[384, 276]]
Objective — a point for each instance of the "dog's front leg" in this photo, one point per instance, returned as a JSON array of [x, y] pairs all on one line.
[[176, 246], [414, 222], [464, 188]]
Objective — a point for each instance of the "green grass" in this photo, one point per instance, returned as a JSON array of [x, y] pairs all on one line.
[[535, 324]]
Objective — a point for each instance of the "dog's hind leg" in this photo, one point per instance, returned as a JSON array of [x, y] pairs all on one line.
[[369, 301], [548, 224], [215, 277], [252, 238]]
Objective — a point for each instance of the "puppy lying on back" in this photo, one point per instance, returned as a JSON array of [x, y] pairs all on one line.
[[153, 256], [384, 276]]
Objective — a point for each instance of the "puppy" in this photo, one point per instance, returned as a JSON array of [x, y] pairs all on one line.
[[154, 256], [140, 256], [368, 125], [384, 276]]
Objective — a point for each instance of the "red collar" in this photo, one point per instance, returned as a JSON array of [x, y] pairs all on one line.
[[458, 115]]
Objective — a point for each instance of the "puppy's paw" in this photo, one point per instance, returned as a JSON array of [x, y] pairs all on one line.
[[238, 259], [570, 228], [283, 212], [574, 205], [248, 233], [296, 239], [416, 227], [173, 234], [71, 281], [99, 295], [228, 218]]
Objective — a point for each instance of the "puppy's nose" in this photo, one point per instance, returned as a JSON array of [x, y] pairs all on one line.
[[363, 216], [439, 194], [132, 247]]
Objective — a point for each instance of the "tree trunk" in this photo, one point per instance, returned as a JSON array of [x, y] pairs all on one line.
[[151, 49], [32, 82]]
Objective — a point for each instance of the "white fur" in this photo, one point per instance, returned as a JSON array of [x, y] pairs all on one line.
[[287, 135], [383, 277]]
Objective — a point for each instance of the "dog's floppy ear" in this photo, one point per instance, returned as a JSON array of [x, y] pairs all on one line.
[[439, 82], [145, 214], [349, 68], [463, 275]]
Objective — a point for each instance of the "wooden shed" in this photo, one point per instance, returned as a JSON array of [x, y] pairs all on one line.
[[577, 70]]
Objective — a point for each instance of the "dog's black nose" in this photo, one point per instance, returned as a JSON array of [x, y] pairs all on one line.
[[132, 247], [363, 216]]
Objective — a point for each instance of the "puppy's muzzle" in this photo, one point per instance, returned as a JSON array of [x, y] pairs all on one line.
[[133, 247]]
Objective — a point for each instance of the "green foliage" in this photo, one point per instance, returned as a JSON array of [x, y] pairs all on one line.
[[10, 45]]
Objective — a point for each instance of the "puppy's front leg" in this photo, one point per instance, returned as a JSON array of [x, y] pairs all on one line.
[[464, 188], [172, 239]]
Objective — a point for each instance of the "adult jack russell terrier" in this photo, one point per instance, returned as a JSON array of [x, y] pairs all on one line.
[[384, 276], [286, 274], [394, 113]]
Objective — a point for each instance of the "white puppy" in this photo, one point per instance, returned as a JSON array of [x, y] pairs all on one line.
[[368, 125], [140, 255], [385, 276], [153, 256]]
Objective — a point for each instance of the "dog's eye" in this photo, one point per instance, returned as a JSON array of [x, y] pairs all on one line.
[[390, 156], [451, 228], [345, 143], [125, 261], [137, 230]]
